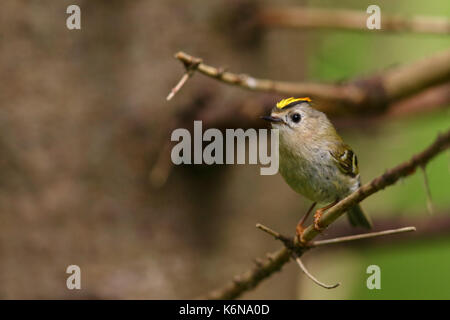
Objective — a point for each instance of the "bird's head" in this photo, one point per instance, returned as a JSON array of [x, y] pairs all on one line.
[[298, 121]]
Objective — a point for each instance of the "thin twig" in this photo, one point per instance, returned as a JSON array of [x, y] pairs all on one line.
[[309, 275], [273, 233], [287, 241], [253, 277], [361, 236], [179, 85], [190, 70]]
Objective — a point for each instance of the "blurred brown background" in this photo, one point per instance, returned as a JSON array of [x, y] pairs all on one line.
[[83, 119]]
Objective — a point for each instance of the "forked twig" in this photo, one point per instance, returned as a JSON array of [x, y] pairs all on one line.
[[292, 245], [190, 69]]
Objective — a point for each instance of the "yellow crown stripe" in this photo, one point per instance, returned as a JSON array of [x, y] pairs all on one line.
[[283, 103]]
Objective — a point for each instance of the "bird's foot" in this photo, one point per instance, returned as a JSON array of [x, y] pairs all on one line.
[[300, 229], [317, 217], [299, 232], [319, 214]]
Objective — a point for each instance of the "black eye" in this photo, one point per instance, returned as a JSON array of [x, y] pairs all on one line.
[[296, 117]]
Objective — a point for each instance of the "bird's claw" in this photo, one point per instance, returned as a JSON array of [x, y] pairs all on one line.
[[299, 232], [317, 217]]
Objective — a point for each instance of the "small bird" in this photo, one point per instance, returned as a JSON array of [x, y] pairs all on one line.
[[314, 160]]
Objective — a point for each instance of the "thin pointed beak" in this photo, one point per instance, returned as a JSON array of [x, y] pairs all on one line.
[[271, 119]]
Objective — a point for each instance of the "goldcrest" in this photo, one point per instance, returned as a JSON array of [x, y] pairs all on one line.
[[314, 160]]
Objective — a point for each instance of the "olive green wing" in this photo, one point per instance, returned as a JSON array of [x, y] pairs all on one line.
[[345, 159]]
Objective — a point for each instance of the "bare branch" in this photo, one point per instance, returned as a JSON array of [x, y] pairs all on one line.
[[415, 77], [361, 236], [371, 94], [253, 277], [315, 18], [429, 99], [330, 92]]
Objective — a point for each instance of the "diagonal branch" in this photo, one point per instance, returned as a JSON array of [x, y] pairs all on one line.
[[250, 279], [390, 177], [265, 269], [371, 94]]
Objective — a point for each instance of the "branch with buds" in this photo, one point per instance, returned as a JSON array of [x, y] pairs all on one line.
[[292, 248]]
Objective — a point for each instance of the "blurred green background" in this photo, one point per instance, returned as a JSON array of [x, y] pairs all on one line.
[[418, 270], [84, 121]]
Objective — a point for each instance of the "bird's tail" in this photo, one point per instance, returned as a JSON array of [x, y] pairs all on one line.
[[358, 218]]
